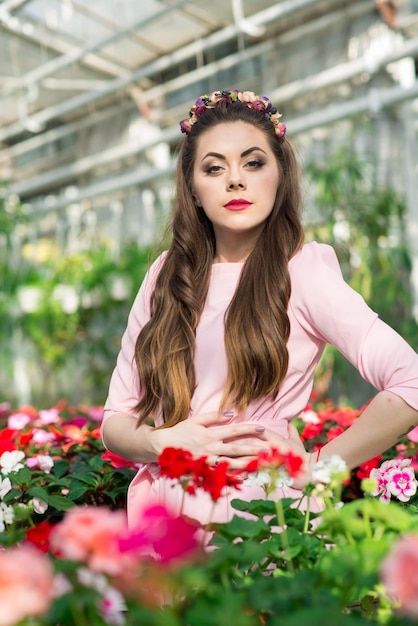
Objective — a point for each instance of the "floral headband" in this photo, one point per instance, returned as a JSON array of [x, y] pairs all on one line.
[[225, 98]]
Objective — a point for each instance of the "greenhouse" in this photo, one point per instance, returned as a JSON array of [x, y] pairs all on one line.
[[102, 103]]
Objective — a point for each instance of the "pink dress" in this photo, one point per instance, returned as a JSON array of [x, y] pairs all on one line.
[[322, 309]]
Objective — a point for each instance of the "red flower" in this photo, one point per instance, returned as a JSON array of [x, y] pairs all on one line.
[[197, 473], [312, 430], [216, 478], [291, 462], [117, 461], [333, 433], [365, 468], [7, 440], [39, 535], [175, 462]]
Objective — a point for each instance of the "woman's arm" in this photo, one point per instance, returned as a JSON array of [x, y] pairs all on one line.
[[382, 423]]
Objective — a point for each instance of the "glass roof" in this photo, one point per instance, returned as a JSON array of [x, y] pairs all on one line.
[[52, 50]]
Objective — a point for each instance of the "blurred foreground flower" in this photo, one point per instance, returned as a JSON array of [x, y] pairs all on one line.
[[400, 575], [26, 584]]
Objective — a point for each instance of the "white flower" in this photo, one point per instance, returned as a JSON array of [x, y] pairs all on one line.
[[310, 417], [329, 469], [10, 461], [5, 486], [61, 586], [112, 606], [7, 516], [282, 479], [46, 462], [112, 602], [257, 479], [91, 579], [39, 506], [277, 479]]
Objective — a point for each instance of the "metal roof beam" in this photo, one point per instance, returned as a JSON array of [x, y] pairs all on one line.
[[38, 120], [320, 24], [77, 54], [332, 76]]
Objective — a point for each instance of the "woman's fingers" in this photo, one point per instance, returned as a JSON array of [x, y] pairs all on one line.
[[295, 437]]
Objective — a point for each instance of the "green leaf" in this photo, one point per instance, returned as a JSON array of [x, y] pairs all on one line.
[[39, 492], [260, 508], [245, 528], [60, 468], [96, 463], [21, 477], [76, 490], [12, 495], [86, 478], [60, 503]]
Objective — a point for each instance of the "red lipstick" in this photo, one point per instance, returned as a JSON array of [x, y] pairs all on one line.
[[237, 204]]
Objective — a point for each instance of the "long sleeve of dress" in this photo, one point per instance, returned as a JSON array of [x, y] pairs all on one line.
[[124, 389], [331, 312]]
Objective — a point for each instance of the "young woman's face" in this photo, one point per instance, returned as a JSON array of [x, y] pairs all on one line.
[[235, 179]]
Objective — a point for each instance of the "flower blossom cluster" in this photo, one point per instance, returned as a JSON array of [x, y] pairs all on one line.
[[273, 469], [224, 98], [195, 473], [394, 478], [270, 468]]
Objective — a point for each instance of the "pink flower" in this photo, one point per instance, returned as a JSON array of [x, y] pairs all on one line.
[[42, 436], [43, 461], [18, 421], [49, 416], [399, 574], [402, 483], [169, 536], [96, 413], [394, 478], [90, 534], [413, 435], [26, 584]]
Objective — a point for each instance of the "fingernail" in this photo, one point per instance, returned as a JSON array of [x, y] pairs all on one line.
[[228, 414], [259, 429]]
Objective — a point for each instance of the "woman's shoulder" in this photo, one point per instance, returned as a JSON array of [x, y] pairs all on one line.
[[315, 274], [312, 256]]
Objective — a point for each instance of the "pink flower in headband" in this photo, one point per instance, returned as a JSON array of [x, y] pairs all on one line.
[[262, 104]]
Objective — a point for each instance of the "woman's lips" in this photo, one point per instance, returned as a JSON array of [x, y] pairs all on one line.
[[237, 205]]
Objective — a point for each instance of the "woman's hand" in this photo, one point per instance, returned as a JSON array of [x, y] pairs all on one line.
[[208, 435]]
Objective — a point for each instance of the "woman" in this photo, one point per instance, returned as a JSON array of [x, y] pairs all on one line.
[[229, 324]]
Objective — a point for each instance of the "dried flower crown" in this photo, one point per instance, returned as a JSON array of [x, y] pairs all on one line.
[[261, 104]]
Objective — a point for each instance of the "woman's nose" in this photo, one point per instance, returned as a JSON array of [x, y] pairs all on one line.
[[236, 182]]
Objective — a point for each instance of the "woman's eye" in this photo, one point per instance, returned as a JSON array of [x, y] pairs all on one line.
[[213, 169], [255, 164]]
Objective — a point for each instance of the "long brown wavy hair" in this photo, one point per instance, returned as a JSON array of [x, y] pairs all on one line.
[[256, 326]]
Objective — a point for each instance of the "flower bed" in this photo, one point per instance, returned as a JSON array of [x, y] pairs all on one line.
[[69, 557]]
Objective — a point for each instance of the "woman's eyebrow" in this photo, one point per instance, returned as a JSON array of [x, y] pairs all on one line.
[[243, 154], [217, 155]]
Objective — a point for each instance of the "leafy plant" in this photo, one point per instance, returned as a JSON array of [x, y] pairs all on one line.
[[66, 537], [365, 223]]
